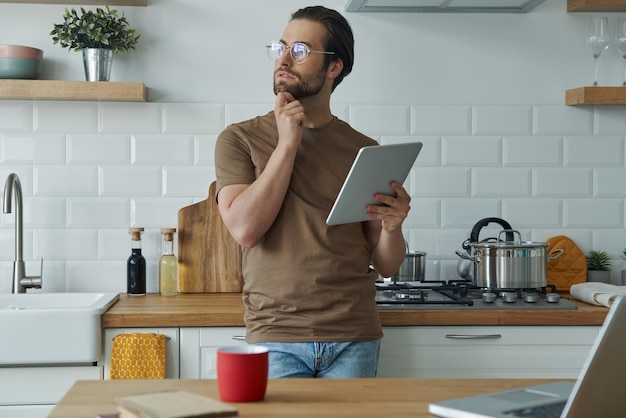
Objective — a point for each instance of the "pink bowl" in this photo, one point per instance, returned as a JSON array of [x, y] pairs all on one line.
[[18, 51]]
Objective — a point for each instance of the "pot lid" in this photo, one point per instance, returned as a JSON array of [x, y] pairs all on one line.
[[510, 244]]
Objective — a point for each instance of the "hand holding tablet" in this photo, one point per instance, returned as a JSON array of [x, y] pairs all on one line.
[[372, 172]]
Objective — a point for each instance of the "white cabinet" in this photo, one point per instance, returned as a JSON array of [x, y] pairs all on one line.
[[198, 348], [485, 351], [32, 392], [171, 347], [411, 351]]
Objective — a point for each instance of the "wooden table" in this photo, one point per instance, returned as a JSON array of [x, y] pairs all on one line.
[[295, 397]]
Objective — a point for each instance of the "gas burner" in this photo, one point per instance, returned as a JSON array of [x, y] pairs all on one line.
[[461, 294], [421, 293]]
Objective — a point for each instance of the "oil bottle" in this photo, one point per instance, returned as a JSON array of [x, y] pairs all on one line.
[[136, 265], [168, 265]]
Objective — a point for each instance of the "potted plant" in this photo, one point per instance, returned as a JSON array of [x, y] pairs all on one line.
[[598, 267], [98, 34]]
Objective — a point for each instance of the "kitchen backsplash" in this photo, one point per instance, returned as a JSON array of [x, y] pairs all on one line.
[[90, 170]]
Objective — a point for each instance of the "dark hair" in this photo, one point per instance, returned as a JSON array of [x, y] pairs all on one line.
[[339, 38]]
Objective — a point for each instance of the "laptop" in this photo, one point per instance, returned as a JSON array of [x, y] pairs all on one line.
[[598, 391], [372, 171]]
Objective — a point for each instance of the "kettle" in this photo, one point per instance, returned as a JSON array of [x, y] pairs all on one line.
[[465, 267]]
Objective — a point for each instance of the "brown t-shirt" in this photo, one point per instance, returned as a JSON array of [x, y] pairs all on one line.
[[304, 281]]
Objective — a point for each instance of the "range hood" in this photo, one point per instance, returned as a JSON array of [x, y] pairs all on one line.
[[442, 6]]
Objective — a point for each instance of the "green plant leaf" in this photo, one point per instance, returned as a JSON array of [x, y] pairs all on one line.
[[99, 29], [598, 260]]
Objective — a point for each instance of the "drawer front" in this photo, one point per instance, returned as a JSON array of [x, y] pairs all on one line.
[[41, 385], [492, 335], [26, 411], [508, 352]]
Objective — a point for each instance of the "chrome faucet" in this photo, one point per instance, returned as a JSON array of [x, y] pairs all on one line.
[[20, 280]]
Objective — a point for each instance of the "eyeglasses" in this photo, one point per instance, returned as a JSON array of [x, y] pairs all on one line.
[[298, 51]]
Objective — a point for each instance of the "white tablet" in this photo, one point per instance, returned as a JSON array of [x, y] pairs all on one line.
[[372, 172]]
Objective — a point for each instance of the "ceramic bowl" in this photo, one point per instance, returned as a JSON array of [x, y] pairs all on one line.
[[19, 51], [20, 68]]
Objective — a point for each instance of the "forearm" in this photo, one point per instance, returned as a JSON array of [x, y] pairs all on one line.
[[389, 252]]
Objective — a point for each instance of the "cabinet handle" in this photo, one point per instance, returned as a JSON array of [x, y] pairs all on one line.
[[473, 337], [239, 337]]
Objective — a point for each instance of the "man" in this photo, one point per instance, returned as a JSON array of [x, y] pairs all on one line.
[[308, 290]]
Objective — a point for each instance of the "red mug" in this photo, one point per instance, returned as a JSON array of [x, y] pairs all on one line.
[[242, 373]]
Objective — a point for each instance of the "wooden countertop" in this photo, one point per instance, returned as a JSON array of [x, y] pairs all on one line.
[[362, 398], [226, 309]]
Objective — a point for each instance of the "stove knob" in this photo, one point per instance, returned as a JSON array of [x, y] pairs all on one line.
[[531, 298], [510, 297], [553, 297], [489, 297]]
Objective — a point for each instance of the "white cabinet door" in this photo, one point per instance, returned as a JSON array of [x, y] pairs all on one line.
[[171, 347], [485, 351], [32, 392], [198, 348], [26, 411]]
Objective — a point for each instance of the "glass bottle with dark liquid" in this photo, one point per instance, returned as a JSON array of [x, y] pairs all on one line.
[[136, 265]]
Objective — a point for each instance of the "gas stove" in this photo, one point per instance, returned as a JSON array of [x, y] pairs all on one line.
[[461, 294]]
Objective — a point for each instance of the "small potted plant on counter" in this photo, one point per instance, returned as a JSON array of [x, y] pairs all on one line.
[[598, 267], [98, 35]]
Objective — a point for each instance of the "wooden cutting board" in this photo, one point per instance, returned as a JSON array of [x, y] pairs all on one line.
[[209, 259]]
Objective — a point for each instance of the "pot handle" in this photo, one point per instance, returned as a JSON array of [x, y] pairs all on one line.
[[484, 222], [553, 255], [510, 232]]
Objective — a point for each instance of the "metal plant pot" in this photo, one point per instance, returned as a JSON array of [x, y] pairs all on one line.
[[599, 276], [97, 62]]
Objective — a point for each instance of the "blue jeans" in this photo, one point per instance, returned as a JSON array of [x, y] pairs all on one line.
[[330, 360]]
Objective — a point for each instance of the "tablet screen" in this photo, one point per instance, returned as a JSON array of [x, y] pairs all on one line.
[[373, 170]]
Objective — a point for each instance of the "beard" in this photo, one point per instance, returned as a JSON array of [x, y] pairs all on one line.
[[306, 86]]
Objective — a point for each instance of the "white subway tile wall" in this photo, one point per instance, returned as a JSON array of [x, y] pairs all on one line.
[[91, 170]]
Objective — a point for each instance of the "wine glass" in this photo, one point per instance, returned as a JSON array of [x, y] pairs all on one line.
[[620, 42], [597, 40]]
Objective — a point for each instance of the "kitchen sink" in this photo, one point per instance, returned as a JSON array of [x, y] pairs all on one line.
[[52, 328]]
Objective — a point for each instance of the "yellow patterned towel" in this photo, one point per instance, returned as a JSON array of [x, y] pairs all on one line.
[[138, 356]]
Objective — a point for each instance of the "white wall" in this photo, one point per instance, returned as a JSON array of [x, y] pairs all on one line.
[[484, 92]]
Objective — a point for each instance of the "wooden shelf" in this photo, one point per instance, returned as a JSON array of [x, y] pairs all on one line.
[[596, 5], [83, 2], [596, 96], [73, 90]]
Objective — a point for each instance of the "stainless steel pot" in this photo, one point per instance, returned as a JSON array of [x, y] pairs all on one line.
[[510, 264], [413, 267]]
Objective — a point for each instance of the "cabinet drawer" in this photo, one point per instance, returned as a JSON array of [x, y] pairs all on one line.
[[475, 352], [41, 385], [26, 411], [492, 335]]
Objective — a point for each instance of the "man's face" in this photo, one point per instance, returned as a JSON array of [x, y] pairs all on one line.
[[305, 79]]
